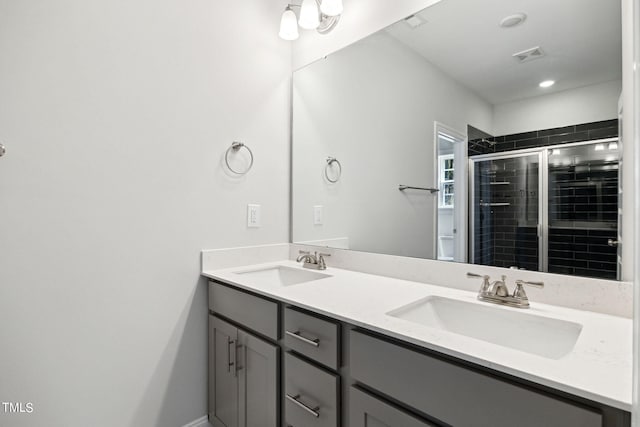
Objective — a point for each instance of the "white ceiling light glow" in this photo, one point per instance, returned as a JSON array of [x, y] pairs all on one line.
[[547, 83]]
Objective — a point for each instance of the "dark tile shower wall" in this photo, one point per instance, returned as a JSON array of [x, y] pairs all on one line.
[[583, 215], [506, 197], [582, 252], [540, 138], [581, 222]]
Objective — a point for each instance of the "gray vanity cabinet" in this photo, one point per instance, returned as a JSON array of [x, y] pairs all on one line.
[[368, 411], [455, 394], [243, 377], [337, 375]]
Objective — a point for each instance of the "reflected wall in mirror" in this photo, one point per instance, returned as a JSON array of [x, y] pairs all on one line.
[[445, 146]]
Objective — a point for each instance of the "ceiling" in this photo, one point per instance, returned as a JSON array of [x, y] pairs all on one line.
[[581, 40]]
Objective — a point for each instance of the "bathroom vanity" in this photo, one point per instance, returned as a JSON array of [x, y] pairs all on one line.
[[295, 347]]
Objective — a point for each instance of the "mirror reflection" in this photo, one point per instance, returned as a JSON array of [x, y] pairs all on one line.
[[482, 133]]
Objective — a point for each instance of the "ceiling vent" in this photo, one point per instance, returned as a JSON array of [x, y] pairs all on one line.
[[414, 21], [529, 54]]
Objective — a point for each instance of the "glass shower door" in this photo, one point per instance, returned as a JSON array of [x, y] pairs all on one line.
[[506, 213], [583, 209]]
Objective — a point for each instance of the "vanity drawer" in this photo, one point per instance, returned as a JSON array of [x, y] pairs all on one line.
[[455, 394], [311, 336], [258, 314], [311, 395], [368, 411]]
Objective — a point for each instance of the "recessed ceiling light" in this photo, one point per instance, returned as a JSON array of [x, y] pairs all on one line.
[[513, 20], [547, 83]]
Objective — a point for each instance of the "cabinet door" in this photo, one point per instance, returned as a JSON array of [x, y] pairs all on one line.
[[223, 380], [258, 380], [367, 411]]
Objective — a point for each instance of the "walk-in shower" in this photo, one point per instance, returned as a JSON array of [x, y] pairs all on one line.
[[550, 209]]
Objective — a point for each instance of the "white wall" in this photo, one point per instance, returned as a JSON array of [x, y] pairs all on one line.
[[377, 117], [115, 116], [569, 107]]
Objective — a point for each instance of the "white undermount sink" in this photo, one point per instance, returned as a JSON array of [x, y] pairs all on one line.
[[519, 330], [281, 275]]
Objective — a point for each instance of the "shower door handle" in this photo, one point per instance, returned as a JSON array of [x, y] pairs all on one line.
[[612, 243]]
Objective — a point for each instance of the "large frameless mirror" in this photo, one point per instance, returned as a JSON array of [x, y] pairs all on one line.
[[480, 132]]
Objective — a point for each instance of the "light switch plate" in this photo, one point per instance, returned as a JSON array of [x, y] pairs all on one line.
[[318, 215], [254, 217]]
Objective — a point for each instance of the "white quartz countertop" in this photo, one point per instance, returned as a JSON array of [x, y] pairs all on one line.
[[598, 368]]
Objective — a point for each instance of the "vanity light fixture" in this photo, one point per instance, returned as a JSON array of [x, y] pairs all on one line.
[[613, 146], [309, 15], [547, 83], [331, 7], [289, 25], [319, 15]]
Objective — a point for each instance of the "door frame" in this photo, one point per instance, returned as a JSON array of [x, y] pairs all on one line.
[[461, 179]]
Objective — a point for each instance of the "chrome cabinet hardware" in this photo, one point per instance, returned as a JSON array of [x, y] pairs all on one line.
[[296, 399], [610, 242], [231, 356], [311, 341]]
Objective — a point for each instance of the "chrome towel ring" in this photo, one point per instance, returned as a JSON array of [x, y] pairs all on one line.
[[330, 161], [235, 147]]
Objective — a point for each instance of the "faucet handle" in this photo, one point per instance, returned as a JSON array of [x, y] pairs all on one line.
[[536, 284], [321, 262], [485, 280], [519, 291], [481, 276]]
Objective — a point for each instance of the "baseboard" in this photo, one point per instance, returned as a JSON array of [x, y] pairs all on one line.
[[200, 422]]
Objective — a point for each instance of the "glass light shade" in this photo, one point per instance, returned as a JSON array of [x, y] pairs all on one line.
[[289, 25], [331, 7], [309, 15]]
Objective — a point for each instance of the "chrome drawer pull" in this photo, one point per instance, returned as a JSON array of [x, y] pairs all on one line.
[[312, 411], [314, 342]]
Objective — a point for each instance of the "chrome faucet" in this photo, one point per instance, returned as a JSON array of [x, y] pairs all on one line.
[[315, 261], [497, 292]]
